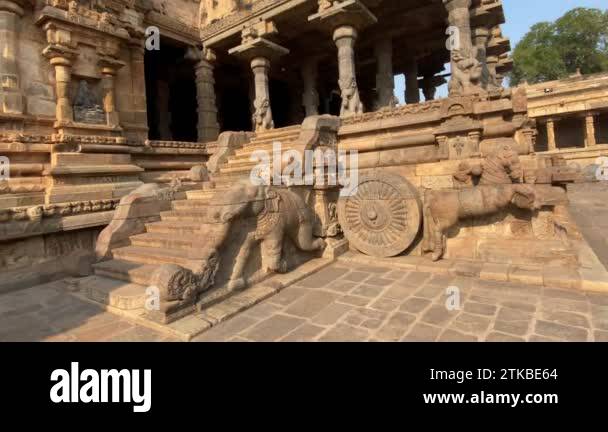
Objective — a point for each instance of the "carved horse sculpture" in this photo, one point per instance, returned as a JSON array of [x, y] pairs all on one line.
[[498, 187], [269, 214]]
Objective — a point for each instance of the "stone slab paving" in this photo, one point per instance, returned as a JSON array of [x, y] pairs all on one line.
[[370, 303], [342, 302], [49, 313]]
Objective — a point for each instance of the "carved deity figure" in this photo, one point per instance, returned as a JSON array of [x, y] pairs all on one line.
[[351, 101], [466, 73], [498, 186], [86, 106]]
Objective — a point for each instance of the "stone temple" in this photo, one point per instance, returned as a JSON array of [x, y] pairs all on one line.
[[129, 131]]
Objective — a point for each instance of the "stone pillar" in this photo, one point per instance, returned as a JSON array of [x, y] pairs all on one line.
[[466, 69], [589, 130], [551, 144], [310, 96], [138, 82], [412, 90], [63, 76], [11, 98], [345, 38], [481, 37], [460, 18], [163, 113], [428, 88], [208, 126], [109, 96], [263, 111], [385, 81], [491, 64]]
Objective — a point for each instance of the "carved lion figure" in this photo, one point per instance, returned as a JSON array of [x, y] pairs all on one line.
[[351, 101], [262, 118], [466, 73]]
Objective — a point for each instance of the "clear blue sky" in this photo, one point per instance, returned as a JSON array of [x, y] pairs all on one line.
[[520, 15]]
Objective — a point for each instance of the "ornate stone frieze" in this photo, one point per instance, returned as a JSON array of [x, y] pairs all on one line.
[[37, 213], [421, 108]]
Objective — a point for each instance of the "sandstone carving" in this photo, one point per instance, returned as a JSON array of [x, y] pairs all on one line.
[[179, 288], [142, 205], [269, 215], [382, 217], [466, 73], [499, 177]]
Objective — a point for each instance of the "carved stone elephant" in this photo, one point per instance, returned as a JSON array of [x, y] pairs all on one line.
[[269, 215]]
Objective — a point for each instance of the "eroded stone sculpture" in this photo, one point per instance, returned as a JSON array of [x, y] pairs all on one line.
[[269, 215], [499, 177], [86, 107]]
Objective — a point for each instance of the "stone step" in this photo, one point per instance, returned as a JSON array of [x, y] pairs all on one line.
[[113, 292], [192, 215], [174, 241], [125, 271], [190, 203], [174, 227], [276, 133], [200, 195], [148, 255]]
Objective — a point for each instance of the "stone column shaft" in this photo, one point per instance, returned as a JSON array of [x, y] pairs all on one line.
[[482, 36], [310, 96], [551, 144], [412, 90], [109, 96], [589, 131], [63, 76], [263, 111], [138, 83], [11, 98], [385, 81], [460, 17], [208, 126], [345, 38]]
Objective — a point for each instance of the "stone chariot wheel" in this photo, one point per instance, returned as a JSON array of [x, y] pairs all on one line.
[[382, 215]]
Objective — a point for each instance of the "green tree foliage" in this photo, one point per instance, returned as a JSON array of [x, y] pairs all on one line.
[[550, 51]]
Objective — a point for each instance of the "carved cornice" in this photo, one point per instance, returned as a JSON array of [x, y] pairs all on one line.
[[420, 108], [103, 22], [237, 18], [174, 25], [176, 144]]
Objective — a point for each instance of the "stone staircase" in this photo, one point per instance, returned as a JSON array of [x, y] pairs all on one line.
[[174, 239]]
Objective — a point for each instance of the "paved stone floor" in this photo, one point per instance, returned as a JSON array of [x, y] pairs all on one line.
[[341, 303], [50, 313]]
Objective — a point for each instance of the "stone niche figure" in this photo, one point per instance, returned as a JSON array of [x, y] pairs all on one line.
[[87, 108]]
